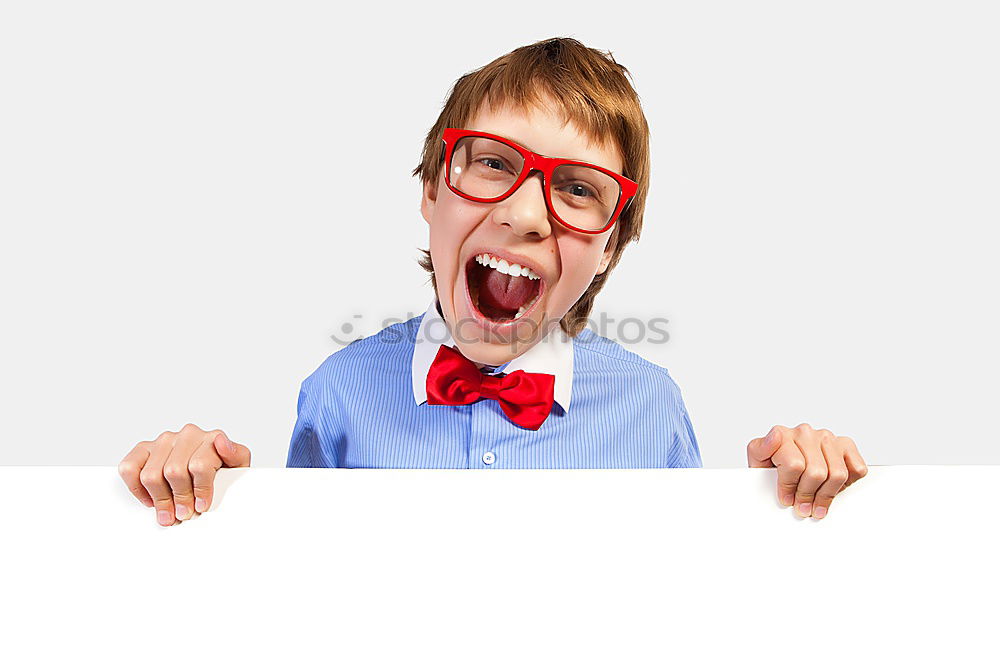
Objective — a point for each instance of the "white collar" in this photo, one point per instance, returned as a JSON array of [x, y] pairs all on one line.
[[553, 354]]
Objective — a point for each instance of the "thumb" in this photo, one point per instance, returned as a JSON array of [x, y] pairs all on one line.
[[760, 450], [233, 455]]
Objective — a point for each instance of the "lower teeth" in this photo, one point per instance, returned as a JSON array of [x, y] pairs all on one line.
[[523, 309]]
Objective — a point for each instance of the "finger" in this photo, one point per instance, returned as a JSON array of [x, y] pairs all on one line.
[[760, 450], [791, 463], [152, 479], [836, 476], [203, 466], [129, 470], [816, 472], [189, 439], [218, 452]]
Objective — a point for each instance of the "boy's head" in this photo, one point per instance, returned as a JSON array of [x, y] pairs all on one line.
[[556, 98]]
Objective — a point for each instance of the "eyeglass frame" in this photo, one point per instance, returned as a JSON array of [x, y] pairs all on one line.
[[536, 162]]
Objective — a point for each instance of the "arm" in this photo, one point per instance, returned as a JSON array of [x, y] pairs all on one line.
[[319, 436], [685, 452]]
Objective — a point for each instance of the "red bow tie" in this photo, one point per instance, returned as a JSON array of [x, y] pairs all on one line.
[[524, 397]]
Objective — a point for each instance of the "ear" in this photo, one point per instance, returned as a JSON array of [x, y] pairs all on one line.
[[428, 200], [609, 250]]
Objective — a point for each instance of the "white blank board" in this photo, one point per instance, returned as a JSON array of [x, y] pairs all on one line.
[[631, 567]]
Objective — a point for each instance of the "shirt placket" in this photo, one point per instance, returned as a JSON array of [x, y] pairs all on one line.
[[483, 447]]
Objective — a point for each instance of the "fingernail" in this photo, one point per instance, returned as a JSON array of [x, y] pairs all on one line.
[[819, 512], [182, 512], [805, 508], [200, 505], [165, 518], [787, 500]]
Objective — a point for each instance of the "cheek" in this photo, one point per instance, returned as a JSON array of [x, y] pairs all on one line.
[[580, 258], [451, 225], [454, 218]]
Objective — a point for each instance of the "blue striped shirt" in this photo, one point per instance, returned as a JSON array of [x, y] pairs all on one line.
[[357, 410]]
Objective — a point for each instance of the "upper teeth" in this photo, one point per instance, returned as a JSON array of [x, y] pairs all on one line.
[[503, 266]]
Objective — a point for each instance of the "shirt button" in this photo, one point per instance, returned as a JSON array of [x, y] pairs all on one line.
[[489, 457]]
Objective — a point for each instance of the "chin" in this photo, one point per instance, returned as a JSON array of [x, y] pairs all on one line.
[[486, 353]]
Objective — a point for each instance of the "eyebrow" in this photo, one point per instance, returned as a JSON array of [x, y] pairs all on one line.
[[519, 143], [523, 145]]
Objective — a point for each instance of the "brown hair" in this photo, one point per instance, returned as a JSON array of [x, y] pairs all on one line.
[[593, 92]]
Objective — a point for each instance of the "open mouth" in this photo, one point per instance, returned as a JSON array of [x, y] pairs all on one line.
[[501, 292]]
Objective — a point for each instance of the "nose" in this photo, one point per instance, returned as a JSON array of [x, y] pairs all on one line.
[[524, 211]]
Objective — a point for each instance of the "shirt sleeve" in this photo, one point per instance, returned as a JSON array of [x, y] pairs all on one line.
[[317, 439], [684, 450], [686, 453]]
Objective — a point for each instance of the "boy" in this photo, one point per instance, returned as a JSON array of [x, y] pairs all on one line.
[[535, 177]]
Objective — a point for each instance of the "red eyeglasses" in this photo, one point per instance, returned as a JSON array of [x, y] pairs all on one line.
[[488, 168]]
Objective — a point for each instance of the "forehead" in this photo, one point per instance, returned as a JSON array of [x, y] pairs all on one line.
[[546, 130]]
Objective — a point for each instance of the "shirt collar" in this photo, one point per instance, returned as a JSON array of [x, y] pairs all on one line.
[[553, 354]]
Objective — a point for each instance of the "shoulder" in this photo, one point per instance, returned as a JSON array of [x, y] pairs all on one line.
[[599, 356], [379, 355]]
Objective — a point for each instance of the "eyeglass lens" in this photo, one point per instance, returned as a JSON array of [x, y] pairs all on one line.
[[582, 196]]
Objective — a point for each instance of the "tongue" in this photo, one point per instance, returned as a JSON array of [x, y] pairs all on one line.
[[502, 291]]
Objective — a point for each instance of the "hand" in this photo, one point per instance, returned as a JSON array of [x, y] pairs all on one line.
[[813, 466], [176, 471]]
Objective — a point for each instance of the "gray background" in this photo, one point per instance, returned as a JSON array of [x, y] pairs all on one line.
[[184, 227]]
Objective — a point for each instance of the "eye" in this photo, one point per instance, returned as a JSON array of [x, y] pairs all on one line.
[[579, 190], [495, 164]]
